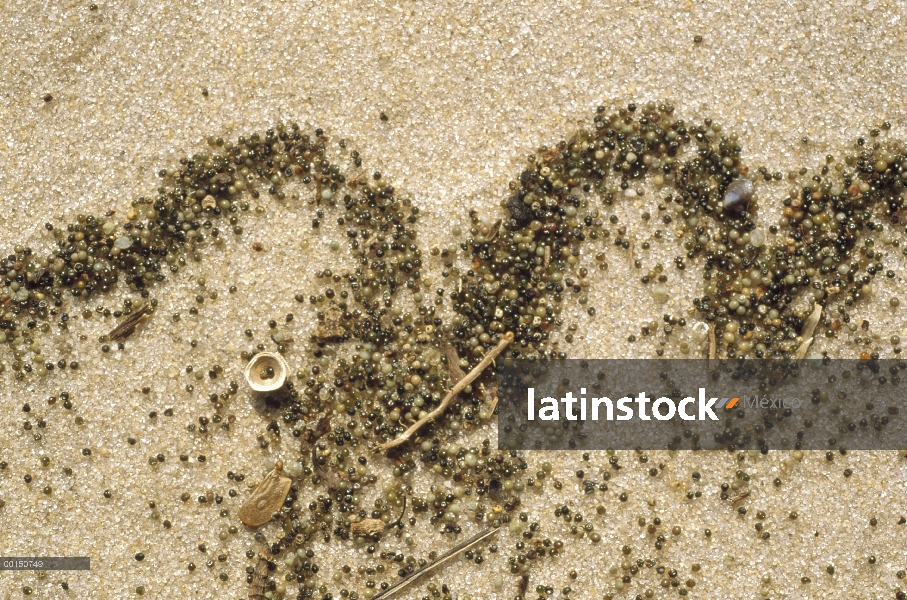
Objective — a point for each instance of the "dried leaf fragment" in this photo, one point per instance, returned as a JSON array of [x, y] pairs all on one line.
[[267, 498]]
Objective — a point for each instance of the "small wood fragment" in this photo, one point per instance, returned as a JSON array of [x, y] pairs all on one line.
[[39, 275], [127, 327], [267, 498], [259, 575], [494, 401], [367, 527], [370, 527], [493, 231], [506, 340], [330, 477], [367, 244], [453, 364], [803, 348]]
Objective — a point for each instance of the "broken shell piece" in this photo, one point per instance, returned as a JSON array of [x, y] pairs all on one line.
[[738, 194], [266, 372], [267, 498]]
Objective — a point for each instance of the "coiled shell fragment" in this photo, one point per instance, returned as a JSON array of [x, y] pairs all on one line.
[[266, 372]]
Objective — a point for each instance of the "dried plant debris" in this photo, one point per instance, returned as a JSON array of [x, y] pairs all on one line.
[[740, 497], [523, 586], [368, 527], [808, 328], [259, 576], [127, 327], [453, 364], [486, 361], [442, 560], [330, 324], [713, 346], [493, 230], [267, 498], [321, 455]]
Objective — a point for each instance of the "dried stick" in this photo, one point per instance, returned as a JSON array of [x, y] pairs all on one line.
[[462, 546], [470, 377]]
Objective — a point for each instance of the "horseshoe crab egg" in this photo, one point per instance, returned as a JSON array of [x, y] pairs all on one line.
[[739, 192], [266, 372]]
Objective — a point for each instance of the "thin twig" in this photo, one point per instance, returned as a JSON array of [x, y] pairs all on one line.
[[356, 181], [489, 358], [461, 547]]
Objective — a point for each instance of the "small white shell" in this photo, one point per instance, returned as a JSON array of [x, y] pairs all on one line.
[[261, 362]]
